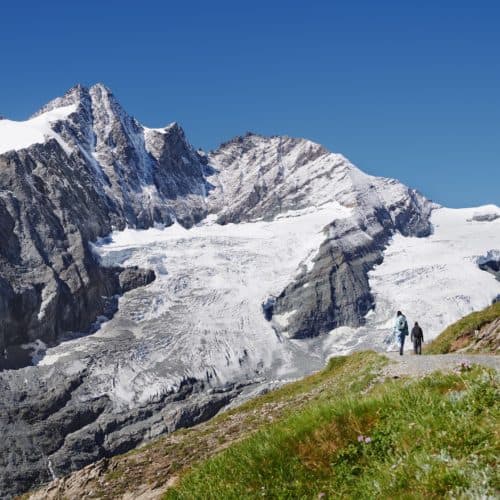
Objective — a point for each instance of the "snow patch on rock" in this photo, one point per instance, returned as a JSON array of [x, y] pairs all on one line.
[[22, 134]]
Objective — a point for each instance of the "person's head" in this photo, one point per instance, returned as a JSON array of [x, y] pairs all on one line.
[[399, 313], [416, 323]]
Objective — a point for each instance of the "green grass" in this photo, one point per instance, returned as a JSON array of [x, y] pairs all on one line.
[[342, 373], [154, 465], [430, 438], [462, 328]]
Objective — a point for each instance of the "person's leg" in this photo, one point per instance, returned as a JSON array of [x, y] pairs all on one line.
[[419, 347], [401, 344], [415, 346]]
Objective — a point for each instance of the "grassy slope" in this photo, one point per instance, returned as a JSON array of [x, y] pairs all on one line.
[[463, 329], [161, 461], [430, 438]]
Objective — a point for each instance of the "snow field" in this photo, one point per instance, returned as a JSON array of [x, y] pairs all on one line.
[[434, 280], [202, 317], [21, 134]]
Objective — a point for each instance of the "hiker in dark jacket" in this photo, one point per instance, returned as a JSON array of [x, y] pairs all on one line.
[[417, 337], [401, 330]]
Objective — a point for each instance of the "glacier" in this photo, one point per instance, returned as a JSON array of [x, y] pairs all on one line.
[[155, 284], [203, 318]]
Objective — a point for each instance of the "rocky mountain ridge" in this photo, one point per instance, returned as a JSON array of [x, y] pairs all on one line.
[[96, 170], [100, 170], [258, 178]]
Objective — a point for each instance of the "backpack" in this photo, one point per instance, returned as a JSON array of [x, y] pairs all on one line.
[[402, 326], [404, 330]]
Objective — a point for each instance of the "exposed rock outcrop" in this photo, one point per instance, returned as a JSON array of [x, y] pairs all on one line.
[[97, 169], [259, 177], [51, 432], [490, 263], [100, 170], [484, 339]]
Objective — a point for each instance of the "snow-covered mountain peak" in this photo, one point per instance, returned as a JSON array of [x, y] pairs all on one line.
[[149, 175], [79, 94], [102, 90], [271, 148], [259, 177], [89, 119], [163, 130], [105, 107], [96, 105]]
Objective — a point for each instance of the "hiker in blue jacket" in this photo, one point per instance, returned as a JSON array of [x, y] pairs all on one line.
[[401, 330]]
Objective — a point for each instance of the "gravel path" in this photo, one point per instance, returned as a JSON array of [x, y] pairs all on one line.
[[418, 366]]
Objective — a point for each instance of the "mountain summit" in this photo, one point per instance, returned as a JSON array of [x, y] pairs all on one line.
[[81, 166], [261, 260], [78, 168]]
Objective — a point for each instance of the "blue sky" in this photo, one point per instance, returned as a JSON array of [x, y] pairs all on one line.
[[404, 89]]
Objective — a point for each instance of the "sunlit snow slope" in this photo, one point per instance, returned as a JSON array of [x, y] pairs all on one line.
[[21, 134], [436, 280], [203, 315], [268, 255]]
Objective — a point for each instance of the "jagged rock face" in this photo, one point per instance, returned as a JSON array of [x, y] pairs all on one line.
[[153, 175], [54, 281], [490, 263], [257, 177], [101, 169], [52, 431]]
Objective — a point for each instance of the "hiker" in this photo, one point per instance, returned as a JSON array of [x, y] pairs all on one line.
[[417, 337], [401, 330]]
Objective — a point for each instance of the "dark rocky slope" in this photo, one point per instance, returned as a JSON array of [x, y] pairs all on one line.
[[48, 431], [104, 171]]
